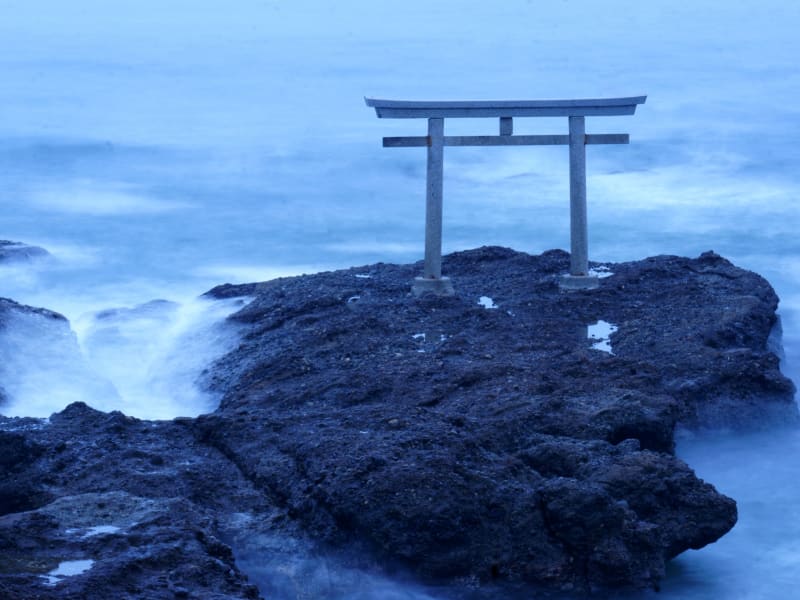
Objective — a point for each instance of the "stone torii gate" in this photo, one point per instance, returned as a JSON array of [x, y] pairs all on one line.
[[437, 111]]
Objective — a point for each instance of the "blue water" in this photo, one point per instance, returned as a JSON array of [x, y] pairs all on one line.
[[158, 149]]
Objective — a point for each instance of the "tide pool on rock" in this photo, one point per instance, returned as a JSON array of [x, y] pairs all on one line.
[[486, 302], [68, 568], [601, 332]]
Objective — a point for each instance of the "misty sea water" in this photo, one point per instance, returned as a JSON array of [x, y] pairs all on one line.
[[159, 149]]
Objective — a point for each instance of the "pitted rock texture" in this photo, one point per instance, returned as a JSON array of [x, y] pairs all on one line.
[[473, 447], [497, 442]]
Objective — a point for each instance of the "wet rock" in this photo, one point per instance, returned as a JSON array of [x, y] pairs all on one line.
[[118, 546], [143, 501], [17, 493], [469, 446], [499, 443]]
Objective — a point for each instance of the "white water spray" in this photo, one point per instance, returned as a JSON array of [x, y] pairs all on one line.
[[144, 361]]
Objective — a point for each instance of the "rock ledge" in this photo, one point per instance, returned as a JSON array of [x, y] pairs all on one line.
[[479, 440]]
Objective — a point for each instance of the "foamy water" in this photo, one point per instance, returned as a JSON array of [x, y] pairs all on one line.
[[146, 360]]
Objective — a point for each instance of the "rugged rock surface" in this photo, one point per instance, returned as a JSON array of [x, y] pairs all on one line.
[[140, 500], [467, 445]]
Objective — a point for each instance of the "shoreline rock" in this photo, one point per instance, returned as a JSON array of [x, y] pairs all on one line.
[[467, 445], [15, 252]]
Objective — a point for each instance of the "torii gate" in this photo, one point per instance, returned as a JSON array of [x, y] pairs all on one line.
[[437, 111]]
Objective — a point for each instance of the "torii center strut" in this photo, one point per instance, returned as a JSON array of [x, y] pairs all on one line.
[[505, 110]]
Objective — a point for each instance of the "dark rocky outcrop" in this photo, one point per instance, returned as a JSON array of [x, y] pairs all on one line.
[[18, 252], [142, 500], [11, 314], [465, 445], [9, 309]]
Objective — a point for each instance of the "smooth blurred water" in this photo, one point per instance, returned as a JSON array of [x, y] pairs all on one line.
[[760, 557], [160, 148]]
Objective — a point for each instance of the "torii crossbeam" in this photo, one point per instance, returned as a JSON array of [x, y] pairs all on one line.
[[505, 110]]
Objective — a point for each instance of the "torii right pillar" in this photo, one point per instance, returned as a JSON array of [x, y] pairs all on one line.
[[578, 277]]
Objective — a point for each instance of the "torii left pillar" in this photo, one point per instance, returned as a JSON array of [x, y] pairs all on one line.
[[432, 280]]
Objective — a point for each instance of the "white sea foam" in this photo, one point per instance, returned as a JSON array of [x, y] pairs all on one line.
[[287, 569], [600, 272], [99, 200], [155, 352], [42, 368], [144, 361]]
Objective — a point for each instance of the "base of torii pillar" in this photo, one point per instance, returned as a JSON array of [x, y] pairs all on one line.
[[439, 286], [579, 282]]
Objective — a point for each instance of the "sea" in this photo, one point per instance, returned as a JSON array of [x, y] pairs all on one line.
[[157, 149]]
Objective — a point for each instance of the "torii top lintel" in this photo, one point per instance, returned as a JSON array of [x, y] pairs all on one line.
[[411, 109]]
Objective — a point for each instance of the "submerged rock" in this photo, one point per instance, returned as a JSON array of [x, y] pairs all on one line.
[[478, 440], [11, 314], [20, 252], [9, 310], [41, 359]]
